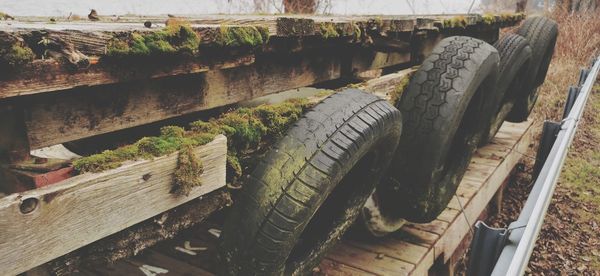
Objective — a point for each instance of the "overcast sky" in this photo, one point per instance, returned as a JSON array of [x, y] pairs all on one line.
[[154, 7]]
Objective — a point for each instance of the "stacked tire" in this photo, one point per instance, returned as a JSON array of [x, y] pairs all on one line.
[[354, 155], [310, 187], [455, 88], [442, 110], [541, 33]]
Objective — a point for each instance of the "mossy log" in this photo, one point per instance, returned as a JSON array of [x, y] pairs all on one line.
[[130, 37]]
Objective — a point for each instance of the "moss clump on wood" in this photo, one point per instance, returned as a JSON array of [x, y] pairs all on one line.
[[400, 88], [17, 55], [237, 36], [176, 37], [245, 128], [328, 30], [455, 22], [357, 31], [488, 19], [188, 171], [171, 139]]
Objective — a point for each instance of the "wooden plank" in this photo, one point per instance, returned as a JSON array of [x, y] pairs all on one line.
[[55, 118], [478, 172], [330, 267], [448, 215], [436, 226], [367, 261], [417, 236], [477, 203], [88, 207], [421, 256], [173, 266], [479, 160], [385, 85], [51, 75], [467, 189], [394, 248]]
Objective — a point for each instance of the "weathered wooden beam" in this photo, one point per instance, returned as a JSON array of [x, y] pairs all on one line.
[[50, 75], [92, 38], [54, 118], [41, 224], [386, 86]]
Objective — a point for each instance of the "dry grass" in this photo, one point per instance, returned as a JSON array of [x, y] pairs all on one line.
[[578, 42]]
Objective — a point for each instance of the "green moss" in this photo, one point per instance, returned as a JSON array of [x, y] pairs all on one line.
[[378, 22], [455, 22], [172, 138], [234, 167], [264, 33], [400, 88], [138, 45], [237, 36], [245, 128], [160, 46], [177, 37], [17, 55], [488, 19], [117, 48], [328, 30], [188, 171], [357, 32]]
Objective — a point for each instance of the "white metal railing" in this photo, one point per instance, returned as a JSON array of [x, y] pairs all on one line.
[[515, 256]]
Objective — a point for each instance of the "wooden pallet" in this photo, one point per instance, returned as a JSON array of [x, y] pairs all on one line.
[[411, 251]]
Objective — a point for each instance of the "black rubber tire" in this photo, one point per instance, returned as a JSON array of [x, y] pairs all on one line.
[[541, 32], [309, 188], [515, 60], [442, 110]]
